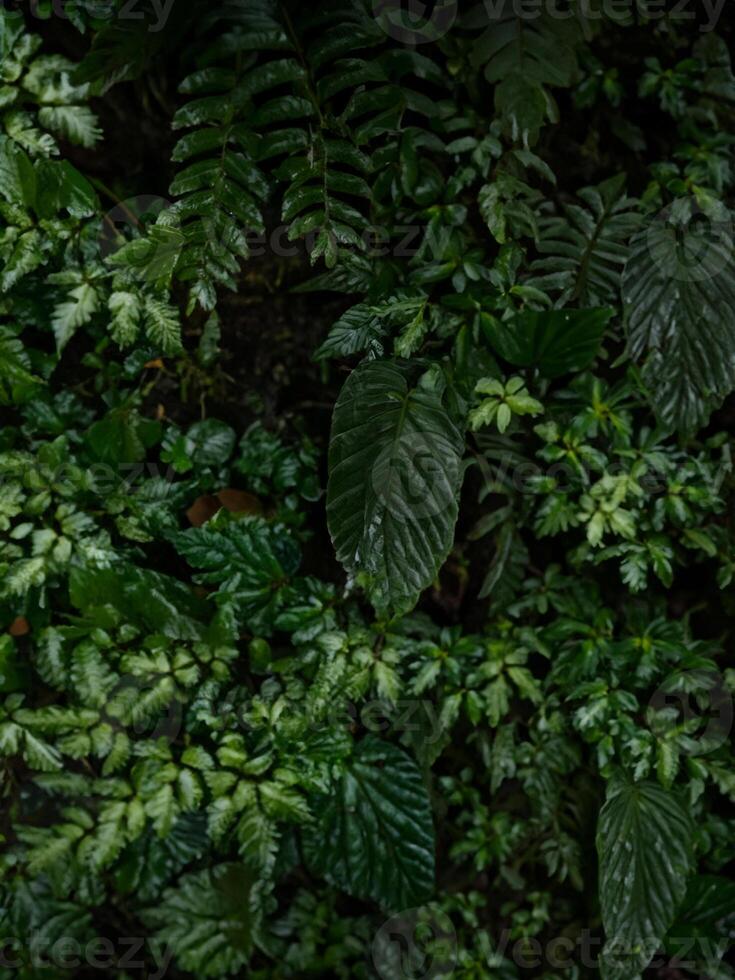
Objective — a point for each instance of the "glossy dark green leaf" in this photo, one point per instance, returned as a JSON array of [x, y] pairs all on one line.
[[373, 834], [679, 295], [210, 442], [644, 843], [150, 863], [554, 341], [521, 104], [394, 477], [18, 183], [123, 436], [17, 382], [60, 185], [250, 559], [14, 673], [541, 47], [352, 333]]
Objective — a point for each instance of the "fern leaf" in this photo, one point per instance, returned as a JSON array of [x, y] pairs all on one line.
[[524, 57], [162, 325], [125, 309], [585, 249], [221, 189]]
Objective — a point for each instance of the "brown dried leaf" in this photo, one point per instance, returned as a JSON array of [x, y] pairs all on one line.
[[19, 627]]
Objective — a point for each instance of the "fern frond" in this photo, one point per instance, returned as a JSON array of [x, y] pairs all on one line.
[[221, 188], [39, 88], [585, 250], [524, 57]]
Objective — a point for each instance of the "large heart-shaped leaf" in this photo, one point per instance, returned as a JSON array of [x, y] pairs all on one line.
[[554, 341], [373, 835], [644, 841], [394, 477], [679, 293]]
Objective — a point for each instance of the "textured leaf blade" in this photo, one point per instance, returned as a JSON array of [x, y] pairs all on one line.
[[353, 332], [644, 842], [679, 294], [17, 176], [584, 250], [373, 835], [211, 919], [250, 559], [394, 477], [555, 341]]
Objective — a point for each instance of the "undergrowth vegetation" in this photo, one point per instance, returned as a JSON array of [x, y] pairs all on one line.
[[366, 539]]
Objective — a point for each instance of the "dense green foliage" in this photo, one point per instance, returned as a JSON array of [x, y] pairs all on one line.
[[366, 540]]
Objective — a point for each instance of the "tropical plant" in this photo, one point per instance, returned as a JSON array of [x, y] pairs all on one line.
[[366, 483]]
